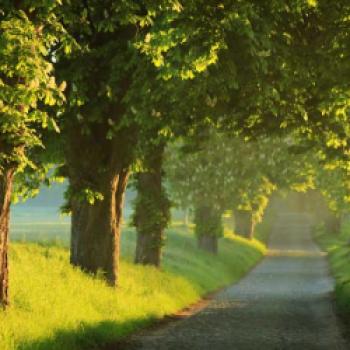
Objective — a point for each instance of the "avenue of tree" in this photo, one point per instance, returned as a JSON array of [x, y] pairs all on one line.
[[211, 106]]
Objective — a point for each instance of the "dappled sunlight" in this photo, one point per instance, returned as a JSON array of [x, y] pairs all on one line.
[[156, 154]]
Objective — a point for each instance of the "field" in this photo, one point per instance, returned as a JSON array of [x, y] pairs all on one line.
[[56, 306]]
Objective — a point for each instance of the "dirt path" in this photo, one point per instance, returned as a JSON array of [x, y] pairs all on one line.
[[284, 303]]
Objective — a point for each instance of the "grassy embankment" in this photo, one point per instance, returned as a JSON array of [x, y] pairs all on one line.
[[56, 306], [338, 248]]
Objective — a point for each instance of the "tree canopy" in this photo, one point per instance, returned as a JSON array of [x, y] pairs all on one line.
[[120, 80]]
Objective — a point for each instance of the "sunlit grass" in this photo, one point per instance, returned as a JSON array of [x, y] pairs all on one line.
[[294, 253], [56, 306]]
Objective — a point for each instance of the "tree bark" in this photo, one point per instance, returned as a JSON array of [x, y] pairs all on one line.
[[100, 143], [244, 223], [208, 243], [208, 227], [102, 166], [6, 181], [152, 209], [96, 228], [78, 221], [149, 249]]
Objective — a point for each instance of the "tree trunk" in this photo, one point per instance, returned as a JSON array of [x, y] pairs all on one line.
[[208, 243], [97, 165], [95, 241], [152, 209], [148, 248], [78, 221], [6, 180], [245, 224], [209, 228]]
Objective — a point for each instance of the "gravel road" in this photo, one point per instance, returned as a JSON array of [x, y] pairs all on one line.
[[284, 303]]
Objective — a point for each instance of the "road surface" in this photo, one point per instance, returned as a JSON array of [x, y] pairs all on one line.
[[284, 303]]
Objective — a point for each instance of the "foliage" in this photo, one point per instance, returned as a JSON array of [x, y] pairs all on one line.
[[207, 218], [333, 182], [153, 206], [158, 211], [169, 72], [233, 173], [338, 252], [27, 82], [148, 64], [163, 69]]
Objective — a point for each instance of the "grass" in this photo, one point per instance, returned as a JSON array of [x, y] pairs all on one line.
[[56, 306], [338, 248]]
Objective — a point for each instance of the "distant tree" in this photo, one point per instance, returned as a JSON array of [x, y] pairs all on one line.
[[332, 180], [227, 172], [222, 173]]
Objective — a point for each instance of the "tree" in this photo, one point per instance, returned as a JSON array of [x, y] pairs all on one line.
[[152, 207], [209, 228], [252, 69], [102, 125], [27, 86], [222, 173], [195, 179], [235, 174], [110, 102], [332, 180]]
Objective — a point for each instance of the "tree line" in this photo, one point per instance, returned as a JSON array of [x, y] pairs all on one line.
[[226, 98]]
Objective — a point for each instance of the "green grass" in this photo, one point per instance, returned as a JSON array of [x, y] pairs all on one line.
[[56, 306], [338, 248]]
